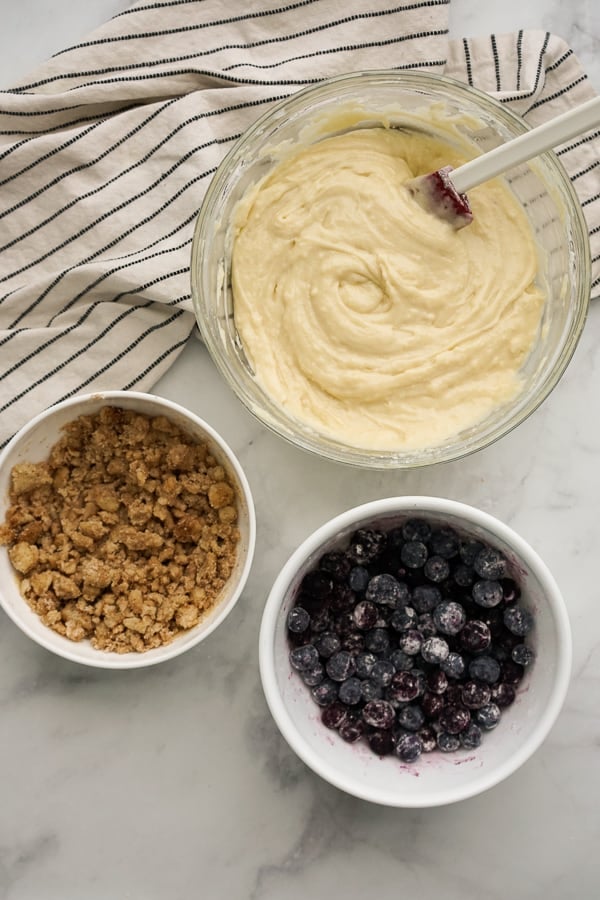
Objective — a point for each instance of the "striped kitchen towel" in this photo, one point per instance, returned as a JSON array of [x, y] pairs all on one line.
[[107, 149]]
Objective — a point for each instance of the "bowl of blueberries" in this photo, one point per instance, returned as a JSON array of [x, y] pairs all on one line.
[[415, 651]]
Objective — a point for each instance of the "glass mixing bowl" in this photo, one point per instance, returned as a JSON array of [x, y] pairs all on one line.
[[395, 98]]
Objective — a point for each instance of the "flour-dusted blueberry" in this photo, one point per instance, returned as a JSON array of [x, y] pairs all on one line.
[[426, 625], [352, 730], [298, 620], [435, 650], [408, 747], [401, 661], [488, 716], [314, 676], [325, 693], [358, 579], [387, 591], [334, 715], [444, 542], [437, 681], [365, 545], [511, 672], [304, 658], [454, 719], [383, 671], [487, 593], [405, 686], [490, 564], [469, 549], [484, 668], [320, 621], [503, 694], [350, 691], [340, 666], [475, 637], [523, 655], [475, 694], [428, 738], [449, 617], [410, 641], [471, 737], [403, 618], [365, 615], [414, 554], [363, 663], [380, 742], [410, 717], [354, 642], [416, 529], [327, 643], [510, 590], [370, 690], [425, 597], [377, 640], [518, 620], [447, 742], [379, 714], [432, 704], [454, 665], [463, 575], [436, 569], [342, 598], [336, 564]]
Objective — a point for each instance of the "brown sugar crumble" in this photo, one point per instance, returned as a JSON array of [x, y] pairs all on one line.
[[126, 535]]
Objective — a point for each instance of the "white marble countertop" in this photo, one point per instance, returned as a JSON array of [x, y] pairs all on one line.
[[174, 783]]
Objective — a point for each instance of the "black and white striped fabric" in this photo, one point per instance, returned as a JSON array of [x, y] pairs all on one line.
[[106, 151]]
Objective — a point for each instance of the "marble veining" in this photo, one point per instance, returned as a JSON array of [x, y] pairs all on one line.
[[173, 782]]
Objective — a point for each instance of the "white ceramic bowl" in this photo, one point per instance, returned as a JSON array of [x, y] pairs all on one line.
[[436, 778], [32, 444]]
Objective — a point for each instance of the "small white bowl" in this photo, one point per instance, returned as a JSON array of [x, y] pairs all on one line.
[[436, 778], [33, 443]]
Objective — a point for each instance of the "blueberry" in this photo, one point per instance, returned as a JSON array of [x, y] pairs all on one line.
[[383, 672], [408, 747], [470, 738], [434, 650], [444, 542], [449, 617], [503, 694], [304, 658], [298, 620], [522, 654], [414, 554], [490, 564], [447, 743], [487, 593], [354, 642], [352, 730], [370, 690], [342, 598], [403, 618], [425, 597], [340, 666], [484, 668], [379, 714], [475, 636], [432, 704], [511, 672], [405, 686], [518, 620], [474, 694], [437, 681], [411, 717], [428, 738], [334, 715], [336, 564], [436, 569], [358, 578], [325, 693], [317, 584], [377, 640], [315, 676], [381, 742], [464, 575], [410, 641], [366, 545], [401, 661], [387, 590], [327, 644], [488, 716], [454, 665], [364, 663], [416, 530], [350, 691], [426, 625], [454, 719], [469, 550], [365, 615], [320, 621]]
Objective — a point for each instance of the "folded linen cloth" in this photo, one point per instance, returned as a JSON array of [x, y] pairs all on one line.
[[107, 149]]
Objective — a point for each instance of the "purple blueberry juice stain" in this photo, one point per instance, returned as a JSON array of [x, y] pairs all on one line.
[[361, 590]]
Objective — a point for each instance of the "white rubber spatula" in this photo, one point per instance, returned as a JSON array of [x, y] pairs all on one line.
[[444, 193]]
